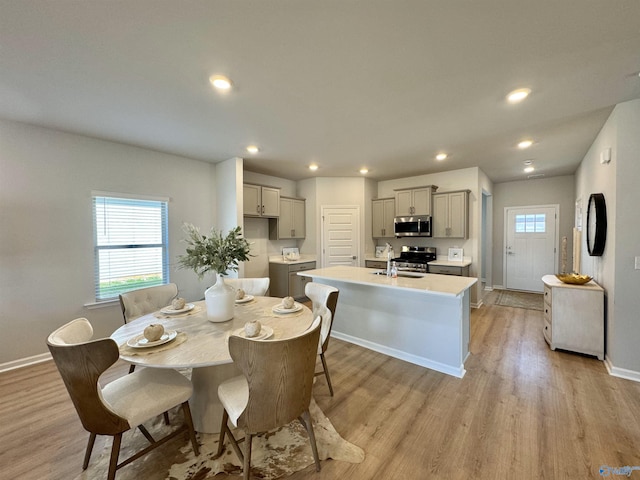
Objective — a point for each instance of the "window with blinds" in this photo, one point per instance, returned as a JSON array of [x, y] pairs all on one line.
[[131, 244]]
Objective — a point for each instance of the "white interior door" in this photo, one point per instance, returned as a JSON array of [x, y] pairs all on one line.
[[530, 246], [340, 235]]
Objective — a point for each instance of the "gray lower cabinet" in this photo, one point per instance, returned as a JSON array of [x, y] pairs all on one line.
[[449, 270], [285, 281], [375, 264]]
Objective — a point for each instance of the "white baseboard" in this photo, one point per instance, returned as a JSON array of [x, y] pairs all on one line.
[[498, 287], [621, 372], [478, 304], [24, 362], [407, 357], [487, 288]]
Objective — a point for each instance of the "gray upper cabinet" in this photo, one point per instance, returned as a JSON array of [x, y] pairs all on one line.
[[414, 201], [451, 214], [382, 211], [260, 201], [291, 222]]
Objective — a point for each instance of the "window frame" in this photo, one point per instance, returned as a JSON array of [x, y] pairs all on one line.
[[144, 200]]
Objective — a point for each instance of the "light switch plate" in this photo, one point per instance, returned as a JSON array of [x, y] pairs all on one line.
[[637, 263]]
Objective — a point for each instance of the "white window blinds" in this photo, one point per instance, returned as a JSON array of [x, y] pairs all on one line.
[[131, 244]]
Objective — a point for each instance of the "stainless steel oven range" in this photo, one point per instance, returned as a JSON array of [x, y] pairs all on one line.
[[415, 259]]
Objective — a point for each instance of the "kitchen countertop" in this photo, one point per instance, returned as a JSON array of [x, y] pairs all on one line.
[[445, 262], [302, 259], [425, 283]]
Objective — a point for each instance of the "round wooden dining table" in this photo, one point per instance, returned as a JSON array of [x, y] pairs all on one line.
[[203, 346]]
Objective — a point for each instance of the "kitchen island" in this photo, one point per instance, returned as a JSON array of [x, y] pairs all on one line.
[[419, 318]]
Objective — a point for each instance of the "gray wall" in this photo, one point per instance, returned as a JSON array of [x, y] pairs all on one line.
[[549, 191], [46, 233], [614, 270]]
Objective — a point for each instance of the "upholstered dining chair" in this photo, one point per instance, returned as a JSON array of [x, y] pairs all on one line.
[[251, 286], [324, 299], [123, 404], [139, 302], [274, 390]]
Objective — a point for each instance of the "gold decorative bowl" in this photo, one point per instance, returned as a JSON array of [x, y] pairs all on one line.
[[573, 278]]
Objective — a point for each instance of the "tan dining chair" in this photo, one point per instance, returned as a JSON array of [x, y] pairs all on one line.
[[123, 404], [324, 299], [251, 286], [139, 302], [274, 390]]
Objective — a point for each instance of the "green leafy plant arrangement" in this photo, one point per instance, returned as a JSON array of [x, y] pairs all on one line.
[[214, 253]]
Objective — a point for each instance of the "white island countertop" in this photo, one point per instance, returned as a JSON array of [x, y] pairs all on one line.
[[434, 284]]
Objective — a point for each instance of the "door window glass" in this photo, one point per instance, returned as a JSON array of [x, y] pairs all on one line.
[[531, 223]]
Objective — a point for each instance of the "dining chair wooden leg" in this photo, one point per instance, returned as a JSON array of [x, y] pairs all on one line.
[[223, 430], [189, 421], [87, 453], [166, 418], [115, 452], [326, 373], [306, 421], [234, 444], [146, 434], [247, 457], [131, 368]]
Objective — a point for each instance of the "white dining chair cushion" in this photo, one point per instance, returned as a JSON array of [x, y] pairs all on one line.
[[251, 286], [318, 294], [76, 331], [234, 396], [146, 393]]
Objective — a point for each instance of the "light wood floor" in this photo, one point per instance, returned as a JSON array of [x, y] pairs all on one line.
[[521, 412]]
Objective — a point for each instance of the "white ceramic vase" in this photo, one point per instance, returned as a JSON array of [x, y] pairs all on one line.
[[220, 300]]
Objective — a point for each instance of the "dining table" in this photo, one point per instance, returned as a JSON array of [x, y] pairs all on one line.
[[191, 341]]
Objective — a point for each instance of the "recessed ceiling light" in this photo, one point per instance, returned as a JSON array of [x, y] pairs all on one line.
[[525, 144], [364, 170], [313, 167], [441, 156], [529, 169], [220, 82], [518, 95], [253, 149]]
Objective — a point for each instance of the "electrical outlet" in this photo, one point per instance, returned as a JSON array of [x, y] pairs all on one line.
[[637, 263]]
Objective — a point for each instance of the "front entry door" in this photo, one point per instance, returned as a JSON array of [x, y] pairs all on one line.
[[340, 236], [530, 246]]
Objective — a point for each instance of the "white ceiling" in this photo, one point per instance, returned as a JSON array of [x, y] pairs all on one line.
[[343, 83]]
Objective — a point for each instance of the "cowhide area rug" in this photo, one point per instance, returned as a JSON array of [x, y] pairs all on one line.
[[274, 455]]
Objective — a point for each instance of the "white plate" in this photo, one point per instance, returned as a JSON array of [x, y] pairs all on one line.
[[280, 308], [265, 332], [140, 342], [245, 299], [171, 311]]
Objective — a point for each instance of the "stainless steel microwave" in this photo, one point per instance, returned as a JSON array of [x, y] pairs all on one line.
[[416, 226]]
